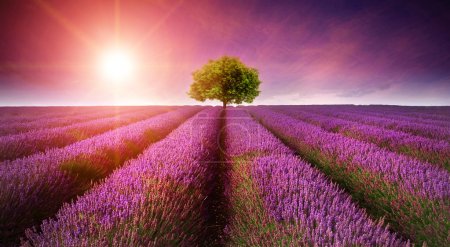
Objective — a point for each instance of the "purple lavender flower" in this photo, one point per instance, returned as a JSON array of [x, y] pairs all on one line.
[[36, 186], [153, 200]]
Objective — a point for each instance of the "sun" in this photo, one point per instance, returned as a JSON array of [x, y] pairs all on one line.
[[117, 65]]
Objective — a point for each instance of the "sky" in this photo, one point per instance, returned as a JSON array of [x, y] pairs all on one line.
[[306, 52]]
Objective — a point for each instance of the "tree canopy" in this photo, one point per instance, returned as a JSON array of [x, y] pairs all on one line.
[[226, 79]]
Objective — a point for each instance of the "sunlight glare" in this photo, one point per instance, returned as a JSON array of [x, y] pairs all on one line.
[[116, 65]]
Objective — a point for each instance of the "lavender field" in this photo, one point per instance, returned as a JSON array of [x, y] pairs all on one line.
[[340, 175]]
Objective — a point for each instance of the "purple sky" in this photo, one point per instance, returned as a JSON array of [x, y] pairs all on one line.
[[359, 52]]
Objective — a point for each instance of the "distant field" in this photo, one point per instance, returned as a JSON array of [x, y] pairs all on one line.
[[246, 176]]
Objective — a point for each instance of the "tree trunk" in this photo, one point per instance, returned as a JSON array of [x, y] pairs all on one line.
[[224, 104]]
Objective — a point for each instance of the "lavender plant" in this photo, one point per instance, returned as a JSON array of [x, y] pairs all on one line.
[[301, 206], [412, 195], [154, 200], [35, 187]]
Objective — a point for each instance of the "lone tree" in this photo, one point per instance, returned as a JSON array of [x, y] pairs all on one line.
[[226, 79]]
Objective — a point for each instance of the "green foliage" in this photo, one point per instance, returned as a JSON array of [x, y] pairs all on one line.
[[82, 169], [226, 79]]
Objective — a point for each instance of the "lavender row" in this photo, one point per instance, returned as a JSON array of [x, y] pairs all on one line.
[[420, 178], [20, 145], [398, 113], [429, 116], [155, 200], [425, 149], [11, 115], [418, 118], [414, 196], [35, 187], [9, 128], [250, 223], [424, 130], [437, 111], [293, 192], [14, 111]]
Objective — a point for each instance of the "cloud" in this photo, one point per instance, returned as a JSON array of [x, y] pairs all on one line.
[[362, 91], [305, 51]]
